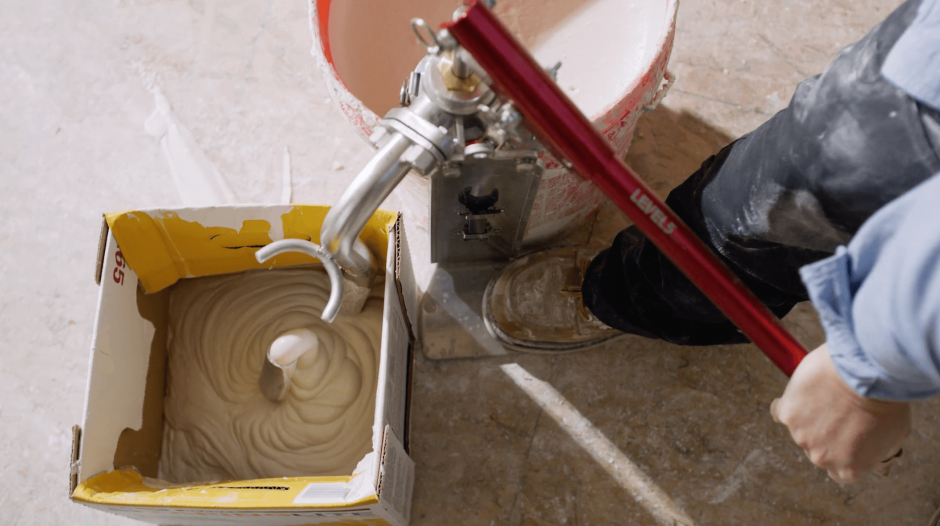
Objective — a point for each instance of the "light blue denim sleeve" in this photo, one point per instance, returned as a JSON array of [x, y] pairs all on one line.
[[879, 299], [913, 64]]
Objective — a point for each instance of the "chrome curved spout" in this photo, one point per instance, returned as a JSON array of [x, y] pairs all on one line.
[[422, 135], [337, 290], [416, 138], [339, 234]]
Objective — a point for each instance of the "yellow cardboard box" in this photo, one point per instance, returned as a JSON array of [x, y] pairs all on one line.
[[116, 450]]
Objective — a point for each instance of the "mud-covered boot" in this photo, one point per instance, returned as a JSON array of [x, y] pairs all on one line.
[[534, 304]]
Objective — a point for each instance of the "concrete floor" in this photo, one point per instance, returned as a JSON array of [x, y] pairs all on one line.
[[632, 434]]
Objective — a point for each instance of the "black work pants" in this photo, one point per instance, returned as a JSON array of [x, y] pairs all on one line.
[[783, 196]]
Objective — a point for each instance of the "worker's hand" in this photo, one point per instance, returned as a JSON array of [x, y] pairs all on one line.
[[840, 430]]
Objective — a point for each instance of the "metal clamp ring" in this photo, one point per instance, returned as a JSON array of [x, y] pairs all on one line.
[[313, 250]]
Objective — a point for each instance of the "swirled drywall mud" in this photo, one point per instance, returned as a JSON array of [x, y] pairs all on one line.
[[218, 425]]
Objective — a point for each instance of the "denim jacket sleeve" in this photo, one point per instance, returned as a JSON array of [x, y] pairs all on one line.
[[913, 64], [879, 299]]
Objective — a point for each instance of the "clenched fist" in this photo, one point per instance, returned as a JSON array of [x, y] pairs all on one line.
[[840, 430]]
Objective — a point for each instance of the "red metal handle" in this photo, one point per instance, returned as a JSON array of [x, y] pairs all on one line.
[[559, 123]]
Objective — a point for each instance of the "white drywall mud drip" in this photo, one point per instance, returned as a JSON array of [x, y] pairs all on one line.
[[197, 180]]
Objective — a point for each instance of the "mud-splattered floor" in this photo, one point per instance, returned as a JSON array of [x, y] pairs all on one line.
[[631, 434]]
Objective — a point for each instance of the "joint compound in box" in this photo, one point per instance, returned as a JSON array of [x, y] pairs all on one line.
[[117, 452]]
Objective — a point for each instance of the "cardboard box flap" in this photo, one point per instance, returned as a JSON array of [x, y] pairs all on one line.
[[396, 478], [392, 388], [120, 360], [129, 488], [407, 292], [102, 241], [73, 462], [165, 245]]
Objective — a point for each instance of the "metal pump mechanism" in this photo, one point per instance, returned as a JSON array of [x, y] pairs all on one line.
[[482, 165], [483, 170]]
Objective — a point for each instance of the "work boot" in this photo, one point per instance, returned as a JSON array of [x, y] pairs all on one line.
[[535, 305]]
